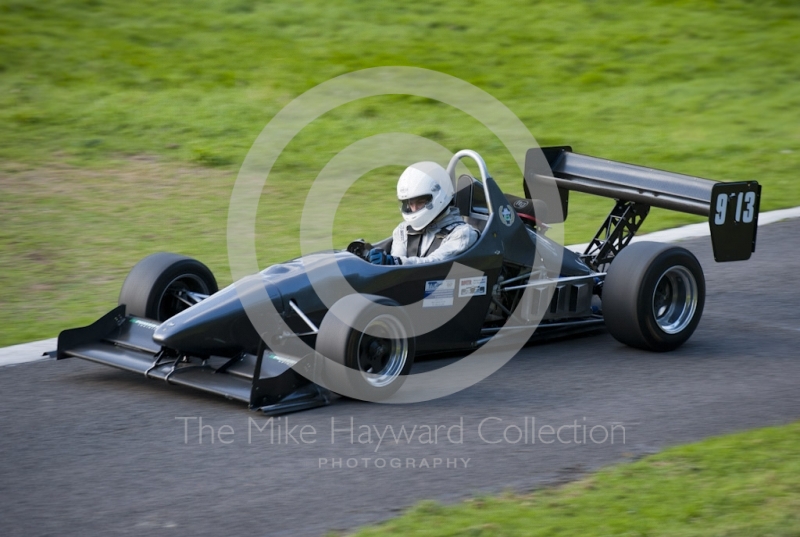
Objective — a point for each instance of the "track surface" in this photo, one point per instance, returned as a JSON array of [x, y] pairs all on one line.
[[92, 450]]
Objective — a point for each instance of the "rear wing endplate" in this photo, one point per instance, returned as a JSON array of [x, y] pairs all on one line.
[[732, 208]]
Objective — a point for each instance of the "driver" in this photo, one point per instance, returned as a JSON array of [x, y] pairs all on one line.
[[432, 230]]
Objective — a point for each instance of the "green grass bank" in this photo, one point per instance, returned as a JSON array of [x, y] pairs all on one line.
[[740, 485]]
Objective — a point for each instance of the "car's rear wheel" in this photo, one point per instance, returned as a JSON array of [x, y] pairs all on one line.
[[653, 296], [372, 338], [164, 284]]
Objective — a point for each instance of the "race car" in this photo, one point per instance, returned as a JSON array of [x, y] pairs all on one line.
[[287, 338]]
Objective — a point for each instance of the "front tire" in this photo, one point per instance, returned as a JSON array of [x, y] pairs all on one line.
[[653, 296], [374, 343], [164, 284]]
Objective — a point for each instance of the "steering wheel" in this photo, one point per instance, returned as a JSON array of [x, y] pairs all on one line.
[[359, 247]]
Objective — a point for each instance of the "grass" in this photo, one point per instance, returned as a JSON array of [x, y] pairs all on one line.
[[740, 485], [124, 124]]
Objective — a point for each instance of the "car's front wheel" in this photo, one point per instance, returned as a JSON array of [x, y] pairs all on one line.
[[372, 338], [653, 296], [164, 284]]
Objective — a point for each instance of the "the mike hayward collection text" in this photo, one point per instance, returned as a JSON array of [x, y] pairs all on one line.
[[290, 430]]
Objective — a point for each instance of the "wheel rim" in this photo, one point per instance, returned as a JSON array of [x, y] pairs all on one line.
[[382, 350], [675, 299], [180, 294]]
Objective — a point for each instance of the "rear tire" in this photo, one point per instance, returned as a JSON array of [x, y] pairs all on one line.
[[377, 359], [156, 284], [653, 296]]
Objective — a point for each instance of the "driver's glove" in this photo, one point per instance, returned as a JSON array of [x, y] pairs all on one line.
[[377, 256]]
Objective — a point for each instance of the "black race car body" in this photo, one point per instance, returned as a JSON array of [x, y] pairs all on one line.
[[283, 339]]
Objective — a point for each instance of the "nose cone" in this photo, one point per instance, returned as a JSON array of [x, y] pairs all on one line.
[[219, 325]]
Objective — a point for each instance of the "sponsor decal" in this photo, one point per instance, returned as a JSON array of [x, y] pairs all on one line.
[[439, 293], [144, 324], [506, 214], [280, 359], [472, 286], [521, 204]]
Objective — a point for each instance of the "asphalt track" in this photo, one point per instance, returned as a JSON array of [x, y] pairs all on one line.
[[92, 450]]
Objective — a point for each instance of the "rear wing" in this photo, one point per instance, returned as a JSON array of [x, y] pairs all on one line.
[[732, 208]]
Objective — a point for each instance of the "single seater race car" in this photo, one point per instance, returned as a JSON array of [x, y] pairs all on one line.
[[283, 339]]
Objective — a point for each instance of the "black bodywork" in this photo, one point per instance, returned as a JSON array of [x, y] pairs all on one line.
[[214, 346]]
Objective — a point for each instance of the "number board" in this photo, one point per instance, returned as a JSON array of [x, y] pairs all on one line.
[[733, 219]]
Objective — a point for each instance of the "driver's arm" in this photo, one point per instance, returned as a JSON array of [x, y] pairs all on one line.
[[399, 241]]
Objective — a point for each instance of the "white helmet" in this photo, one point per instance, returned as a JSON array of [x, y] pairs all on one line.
[[429, 180]]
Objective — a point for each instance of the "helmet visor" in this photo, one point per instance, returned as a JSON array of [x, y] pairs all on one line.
[[413, 205]]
